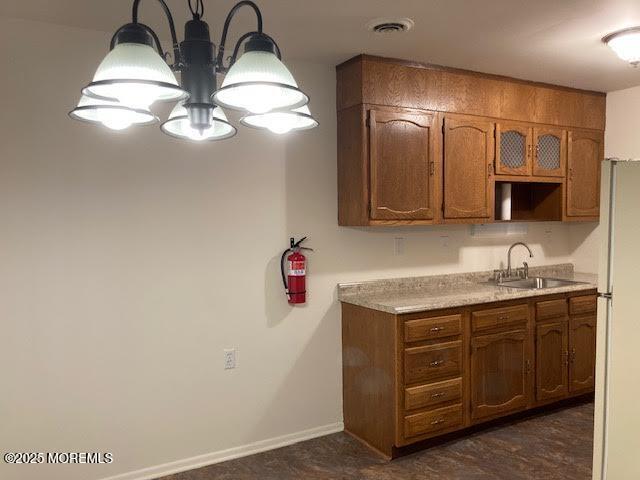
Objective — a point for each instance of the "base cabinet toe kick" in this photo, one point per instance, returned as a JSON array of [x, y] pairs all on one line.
[[412, 377]]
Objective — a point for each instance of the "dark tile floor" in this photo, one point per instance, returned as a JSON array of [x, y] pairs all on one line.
[[550, 446]]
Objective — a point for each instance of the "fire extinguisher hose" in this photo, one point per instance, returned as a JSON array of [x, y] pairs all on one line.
[[284, 277]]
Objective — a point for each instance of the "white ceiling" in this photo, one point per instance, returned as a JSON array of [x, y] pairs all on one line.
[[555, 41]]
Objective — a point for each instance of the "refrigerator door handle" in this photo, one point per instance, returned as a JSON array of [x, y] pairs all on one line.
[[607, 295]]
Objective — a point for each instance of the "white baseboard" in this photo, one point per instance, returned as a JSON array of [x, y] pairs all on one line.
[[228, 454]]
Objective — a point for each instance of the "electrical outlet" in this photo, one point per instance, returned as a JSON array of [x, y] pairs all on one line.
[[444, 240], [229, 358], [398, 246]]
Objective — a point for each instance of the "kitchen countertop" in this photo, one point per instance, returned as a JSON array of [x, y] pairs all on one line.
[[419, 294]]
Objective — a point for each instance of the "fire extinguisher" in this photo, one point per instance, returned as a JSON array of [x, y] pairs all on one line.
[[294, 279]]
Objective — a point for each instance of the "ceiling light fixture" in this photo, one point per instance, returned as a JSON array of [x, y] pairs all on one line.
[[626, 44], [135, 74]]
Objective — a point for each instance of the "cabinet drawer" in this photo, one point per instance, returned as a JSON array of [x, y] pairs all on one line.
[[584, 304], [424, 364], [436, 327], [433, 394], [498, 318], [432, 421], [551, 309]]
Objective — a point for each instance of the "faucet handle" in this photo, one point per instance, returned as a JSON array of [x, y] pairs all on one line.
[[525, 270]]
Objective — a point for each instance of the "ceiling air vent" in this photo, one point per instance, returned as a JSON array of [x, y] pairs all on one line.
[[390, 25]]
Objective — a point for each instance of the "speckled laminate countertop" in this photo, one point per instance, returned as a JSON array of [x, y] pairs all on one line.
[[418, 294]]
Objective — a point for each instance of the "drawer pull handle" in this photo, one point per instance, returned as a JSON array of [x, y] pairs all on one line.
[[438, 395], [436, 329], [502, 318], [436, 363], [438, 421]]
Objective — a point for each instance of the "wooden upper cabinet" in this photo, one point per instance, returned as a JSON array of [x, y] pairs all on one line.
[[549, 151], [402, 164], [500, 370], [552, 359], [513, 149], [468, 165], [585, 152], [424, 144], [582, 353]]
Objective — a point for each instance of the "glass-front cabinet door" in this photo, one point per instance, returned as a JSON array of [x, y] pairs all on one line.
[[513, 149], [550, 152]]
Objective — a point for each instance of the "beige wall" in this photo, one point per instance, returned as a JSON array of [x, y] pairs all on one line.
[[129, 261], [623, 141]]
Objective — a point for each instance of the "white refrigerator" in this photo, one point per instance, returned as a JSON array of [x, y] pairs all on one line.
[[617, 404]]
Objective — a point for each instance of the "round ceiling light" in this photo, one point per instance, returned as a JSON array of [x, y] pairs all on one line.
[[626, 44], [390, 25]]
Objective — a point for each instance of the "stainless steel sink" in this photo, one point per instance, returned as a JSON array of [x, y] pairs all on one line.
[[537, 283]]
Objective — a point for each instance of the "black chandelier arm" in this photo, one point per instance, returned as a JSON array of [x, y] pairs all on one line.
[[225, 30], [243, 38], [177, 60]]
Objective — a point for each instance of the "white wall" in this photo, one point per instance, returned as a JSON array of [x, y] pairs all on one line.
[[129, 261]]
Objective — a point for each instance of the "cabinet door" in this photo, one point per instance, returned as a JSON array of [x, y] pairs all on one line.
[[500, 371], [468, 163], [584, 157], [582, 351], [513, 149], [402, 156], [550, 152], [552, 359]]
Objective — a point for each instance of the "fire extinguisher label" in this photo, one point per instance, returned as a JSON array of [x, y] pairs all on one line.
[[296, 269]]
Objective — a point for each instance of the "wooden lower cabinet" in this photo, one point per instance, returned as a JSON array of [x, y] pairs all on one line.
[[582, 352], [411, 377], [552, 360], [500, 369]]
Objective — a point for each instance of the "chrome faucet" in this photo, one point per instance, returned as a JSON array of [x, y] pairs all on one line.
[[509, 258]]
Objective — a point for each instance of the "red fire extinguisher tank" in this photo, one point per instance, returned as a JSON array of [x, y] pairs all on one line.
[[295, 276]]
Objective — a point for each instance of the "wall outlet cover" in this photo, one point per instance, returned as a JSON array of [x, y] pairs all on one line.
[[229, 358]]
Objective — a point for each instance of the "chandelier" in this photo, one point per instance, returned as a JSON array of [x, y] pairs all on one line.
[[136, 74]]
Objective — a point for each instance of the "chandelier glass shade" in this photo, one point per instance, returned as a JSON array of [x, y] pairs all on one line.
[[259, 82], [283, 121], [178, 125], [110, 113]]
